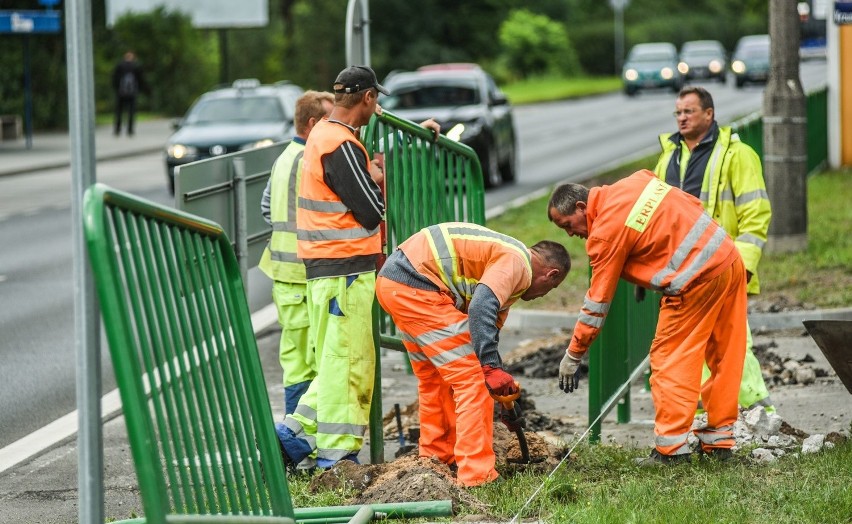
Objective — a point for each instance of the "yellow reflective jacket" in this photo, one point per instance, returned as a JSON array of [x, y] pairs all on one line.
[[733, 193], [279, 261]]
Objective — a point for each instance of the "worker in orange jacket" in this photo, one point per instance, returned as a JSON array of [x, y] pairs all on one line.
[[658, 237], [448, 289]]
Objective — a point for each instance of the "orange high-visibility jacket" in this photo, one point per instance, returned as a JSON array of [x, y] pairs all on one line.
[[651, 234], [456, 256], [326, 227]]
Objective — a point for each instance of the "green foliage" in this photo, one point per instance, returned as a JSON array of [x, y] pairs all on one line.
[[179, 62], [534, 44], [316, 50]]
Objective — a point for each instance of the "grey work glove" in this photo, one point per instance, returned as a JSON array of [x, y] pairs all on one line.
[[569, 373]]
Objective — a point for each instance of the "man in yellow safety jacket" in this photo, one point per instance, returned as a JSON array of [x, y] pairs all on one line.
[[279, 261], [448, 289], [713, 165]]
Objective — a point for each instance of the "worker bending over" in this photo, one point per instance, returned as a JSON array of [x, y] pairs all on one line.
[[448, 289], [658, 237]]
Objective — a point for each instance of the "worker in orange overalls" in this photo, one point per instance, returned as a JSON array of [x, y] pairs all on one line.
[[658, 237], [448, 289]]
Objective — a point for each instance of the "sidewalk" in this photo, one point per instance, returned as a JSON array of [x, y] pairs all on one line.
[[53, 150]]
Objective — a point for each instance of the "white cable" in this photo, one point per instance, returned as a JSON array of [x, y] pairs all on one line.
[[529, 500]]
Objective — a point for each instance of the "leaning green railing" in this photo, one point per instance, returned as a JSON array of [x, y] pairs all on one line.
[[427, 181]]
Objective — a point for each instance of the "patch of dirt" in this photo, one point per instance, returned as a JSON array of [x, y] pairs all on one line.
[[775, 303]]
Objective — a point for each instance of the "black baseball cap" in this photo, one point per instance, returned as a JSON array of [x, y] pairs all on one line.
[[357, 78]]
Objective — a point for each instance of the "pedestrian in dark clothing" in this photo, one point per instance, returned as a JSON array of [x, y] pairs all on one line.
[[127, 81]]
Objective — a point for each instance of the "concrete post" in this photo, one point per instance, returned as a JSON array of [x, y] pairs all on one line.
[[785, 133]]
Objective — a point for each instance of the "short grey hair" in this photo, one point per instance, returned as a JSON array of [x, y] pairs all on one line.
[[565, 197]]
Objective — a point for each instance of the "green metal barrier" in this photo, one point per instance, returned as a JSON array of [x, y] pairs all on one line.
[[186, 362], [427, 182], [750, 130]]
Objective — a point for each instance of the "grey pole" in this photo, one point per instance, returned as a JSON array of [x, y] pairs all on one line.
[[358, 32], [81, 123], [785, 133], [240, 220]]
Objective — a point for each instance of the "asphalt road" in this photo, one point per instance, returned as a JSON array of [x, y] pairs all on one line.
[[558, 141]]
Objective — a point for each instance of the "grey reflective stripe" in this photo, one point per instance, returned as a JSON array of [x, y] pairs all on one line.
[[487, 233], [757, 194], [417, 356], [293, 190], [698, 262], [335, 455], [451, 355], [306, 411], [716, 151], [589, 320], [446, 262], [765, 402], [727, 195], [284, 256], [322, 206], [591, 306], [437, 335], [341, 428], [683, 249], [335, 234], [748, 238], [663, 440], [715, 436], [284, 227]]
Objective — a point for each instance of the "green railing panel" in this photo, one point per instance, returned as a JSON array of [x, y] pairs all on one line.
[[750, 130], [186, 361], [619, 350], [427, 181]]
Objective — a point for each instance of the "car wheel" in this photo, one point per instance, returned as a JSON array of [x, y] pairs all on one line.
[[740, 83], [509, 168], [631, 90], [171, 177], [491, 168]]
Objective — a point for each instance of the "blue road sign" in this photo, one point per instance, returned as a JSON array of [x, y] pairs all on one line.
[[842, 12], [28, 22]]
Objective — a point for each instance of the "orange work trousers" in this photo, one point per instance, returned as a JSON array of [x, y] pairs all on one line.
[[456, 410], [706, 322]]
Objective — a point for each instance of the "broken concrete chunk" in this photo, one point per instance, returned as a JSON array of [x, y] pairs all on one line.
[[813, 444], [763, 455], [805, 375]]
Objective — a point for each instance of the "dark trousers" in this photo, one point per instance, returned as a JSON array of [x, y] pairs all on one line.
[[125, 104]]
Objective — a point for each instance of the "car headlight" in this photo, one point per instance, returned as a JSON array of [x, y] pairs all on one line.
[[666, 73], [260, 143], [683, 67], [180, 151], [631, 74], [464, 130], [738, 66], [714, 66]]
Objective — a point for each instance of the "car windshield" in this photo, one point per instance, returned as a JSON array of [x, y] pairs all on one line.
[[701, 53], [754, 51], [650, 56], [433, 95], [241, 109]]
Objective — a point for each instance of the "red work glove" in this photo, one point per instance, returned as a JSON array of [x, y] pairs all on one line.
[[498, 381]]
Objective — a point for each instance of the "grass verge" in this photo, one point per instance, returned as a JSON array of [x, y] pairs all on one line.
[[547, 89], [820, 277]]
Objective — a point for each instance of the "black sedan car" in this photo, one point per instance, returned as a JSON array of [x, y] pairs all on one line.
[[466, 101], [750, 62], [703, 59], [242, 116]]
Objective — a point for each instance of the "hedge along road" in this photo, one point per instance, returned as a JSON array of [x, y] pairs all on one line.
[[557, 141]]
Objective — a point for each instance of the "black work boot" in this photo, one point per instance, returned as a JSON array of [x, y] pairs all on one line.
[[656, 459], [718, 454]]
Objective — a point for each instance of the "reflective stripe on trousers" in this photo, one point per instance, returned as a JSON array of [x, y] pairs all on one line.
[[456, 411], [707, 321]]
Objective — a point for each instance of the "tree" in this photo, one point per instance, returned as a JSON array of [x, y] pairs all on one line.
[[534, 44]]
